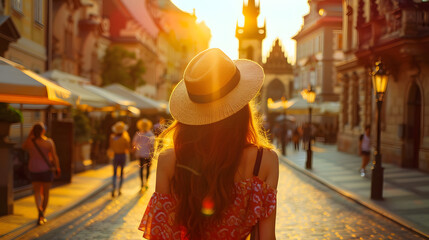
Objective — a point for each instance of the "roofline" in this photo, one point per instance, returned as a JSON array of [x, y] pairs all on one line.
[[326, 21]]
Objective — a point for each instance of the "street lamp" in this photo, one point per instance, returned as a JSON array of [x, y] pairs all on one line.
[[379, 81], [310, 96], [284, 130]]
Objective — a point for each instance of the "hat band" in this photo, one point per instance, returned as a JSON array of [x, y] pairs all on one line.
[[222, 92]]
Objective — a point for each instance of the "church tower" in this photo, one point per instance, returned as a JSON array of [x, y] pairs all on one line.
[[250, 36]]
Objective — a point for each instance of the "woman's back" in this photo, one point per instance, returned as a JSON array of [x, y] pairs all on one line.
[[36, 162], [254, 200], [205, 186]]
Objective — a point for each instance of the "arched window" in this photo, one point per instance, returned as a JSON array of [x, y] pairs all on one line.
[[276, 90]]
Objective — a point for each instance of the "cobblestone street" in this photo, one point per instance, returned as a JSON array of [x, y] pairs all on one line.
[[306, 210]]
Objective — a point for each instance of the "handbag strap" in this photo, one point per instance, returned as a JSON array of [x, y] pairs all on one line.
[[42, 154]]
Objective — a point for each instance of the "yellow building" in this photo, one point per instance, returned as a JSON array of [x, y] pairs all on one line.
[[180, 38], [30, 19]]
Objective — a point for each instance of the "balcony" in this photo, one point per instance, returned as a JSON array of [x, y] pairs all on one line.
[[394, 23]]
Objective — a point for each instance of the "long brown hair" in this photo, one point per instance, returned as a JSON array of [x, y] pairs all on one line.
[[207, 158]]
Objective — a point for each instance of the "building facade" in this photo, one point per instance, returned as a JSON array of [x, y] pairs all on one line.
[[279, 81], [133, 28], [78, 37], [8, 31], [181, 37], [250, 36], [397, 33], [278, 71], [318, 48], [30, 19]]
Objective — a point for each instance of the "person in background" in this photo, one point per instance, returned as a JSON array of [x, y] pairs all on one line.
[[143, 142], [43, 165], [295, 139], [217, 172], [159, 126], [119, 143], [365, 149]]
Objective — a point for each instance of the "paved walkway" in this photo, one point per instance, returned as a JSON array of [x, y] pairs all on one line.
[[406, 191], [61, 199], [306, 209]]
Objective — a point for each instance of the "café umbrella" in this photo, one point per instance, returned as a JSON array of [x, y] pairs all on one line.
[[21, 85]]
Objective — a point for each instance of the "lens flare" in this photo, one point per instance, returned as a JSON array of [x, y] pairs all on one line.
[[208, 206]]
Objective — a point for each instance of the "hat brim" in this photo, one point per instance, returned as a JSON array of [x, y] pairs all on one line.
[[115, 130], [184, 110]]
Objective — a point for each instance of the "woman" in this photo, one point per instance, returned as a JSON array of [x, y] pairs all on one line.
[[143, 141], [365, 149], [43, 164], [216, 175], [119, 144]]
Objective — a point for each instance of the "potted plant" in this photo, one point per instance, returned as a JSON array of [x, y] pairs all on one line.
[[8, 115], [82, 136]]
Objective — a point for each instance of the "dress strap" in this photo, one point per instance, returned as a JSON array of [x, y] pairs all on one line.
[[258, 162]]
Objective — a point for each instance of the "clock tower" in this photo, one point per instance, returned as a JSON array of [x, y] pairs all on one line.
[[250, 36]]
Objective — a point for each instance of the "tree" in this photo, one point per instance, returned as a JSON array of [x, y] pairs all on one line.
[[122, 66]]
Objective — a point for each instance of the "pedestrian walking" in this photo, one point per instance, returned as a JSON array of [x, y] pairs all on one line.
[[217, 173], [289, 134], [365, 149], [43, 165], [277, 135], [295, 139], [119, 144], [143, 142], [159, 126]]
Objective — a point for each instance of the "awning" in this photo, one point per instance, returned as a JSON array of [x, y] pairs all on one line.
[[75, 84], [143, 103], [121, 102], [20, 85], [295, 106], [117, 99]]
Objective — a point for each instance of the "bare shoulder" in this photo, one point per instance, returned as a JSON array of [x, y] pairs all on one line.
[[270, 167], [50, 142], [270, 157], [167, 162]]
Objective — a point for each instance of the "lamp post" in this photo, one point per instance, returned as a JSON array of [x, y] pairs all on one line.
[[284, 129], [310, 96], [379, 80]]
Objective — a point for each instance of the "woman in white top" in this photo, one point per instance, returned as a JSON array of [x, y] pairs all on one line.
[[365, 149], [143, 142]]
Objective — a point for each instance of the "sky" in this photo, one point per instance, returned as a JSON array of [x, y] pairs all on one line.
[[284, 20]]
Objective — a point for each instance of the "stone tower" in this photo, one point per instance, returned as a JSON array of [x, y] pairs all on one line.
[[250, 36]]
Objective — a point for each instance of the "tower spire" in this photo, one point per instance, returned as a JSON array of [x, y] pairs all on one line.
[[247, 34]]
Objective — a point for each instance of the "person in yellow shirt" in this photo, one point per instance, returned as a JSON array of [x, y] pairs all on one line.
[[119, 144]]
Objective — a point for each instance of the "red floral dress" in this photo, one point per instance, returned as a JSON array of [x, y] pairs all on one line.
[[254, 200]]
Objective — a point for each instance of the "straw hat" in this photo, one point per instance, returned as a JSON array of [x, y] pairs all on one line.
[[214, 87], [119, 127], [144, 124]]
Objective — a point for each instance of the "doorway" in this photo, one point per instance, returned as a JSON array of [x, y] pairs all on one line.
[[413, 128]]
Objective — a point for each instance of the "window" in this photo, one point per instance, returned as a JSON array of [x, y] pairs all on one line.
[[338, 40], [17, 5], [38, 11]]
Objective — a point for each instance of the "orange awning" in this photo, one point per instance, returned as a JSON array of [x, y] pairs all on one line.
[[20, 85]]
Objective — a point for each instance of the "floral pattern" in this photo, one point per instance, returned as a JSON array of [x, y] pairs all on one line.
[[254, 200]]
